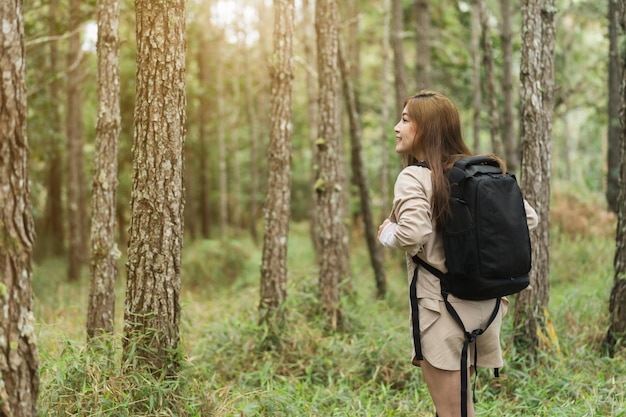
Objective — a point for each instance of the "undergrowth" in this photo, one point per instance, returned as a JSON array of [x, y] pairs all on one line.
[[233, 366]]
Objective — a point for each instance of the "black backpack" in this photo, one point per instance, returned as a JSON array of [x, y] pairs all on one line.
[[486, 242]]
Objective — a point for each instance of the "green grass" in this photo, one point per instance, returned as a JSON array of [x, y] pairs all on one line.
[[234, 367]]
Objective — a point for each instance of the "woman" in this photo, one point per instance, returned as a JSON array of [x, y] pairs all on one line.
[[430, 132]]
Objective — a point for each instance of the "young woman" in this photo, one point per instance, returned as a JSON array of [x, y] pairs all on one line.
[[430, 131]]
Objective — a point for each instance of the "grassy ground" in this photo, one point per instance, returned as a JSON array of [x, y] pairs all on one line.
[[231, 369]]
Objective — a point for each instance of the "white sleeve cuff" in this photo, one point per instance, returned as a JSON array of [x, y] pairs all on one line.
[[387, 236]]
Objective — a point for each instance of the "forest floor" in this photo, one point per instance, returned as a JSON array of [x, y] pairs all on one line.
[[234, 367]]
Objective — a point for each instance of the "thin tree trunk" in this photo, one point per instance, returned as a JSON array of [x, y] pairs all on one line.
[[397, 28], [328, 185], [490, 82], [54, 235], [221, 141], [614, 130], [386, 132], [422, 42], [537, 76], [277, 210], [152, 314], [104, 251], [508, 121], [476, 84], [254, 142], [76, 193], [308, 29], [204, 114], [359, 174], [19, 361], [616, 334]]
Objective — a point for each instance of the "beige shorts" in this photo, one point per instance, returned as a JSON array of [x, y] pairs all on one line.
[[442, 338]]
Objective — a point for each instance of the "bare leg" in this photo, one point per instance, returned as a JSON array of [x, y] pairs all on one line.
[[445, 390]]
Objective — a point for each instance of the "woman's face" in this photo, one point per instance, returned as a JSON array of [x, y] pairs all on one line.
[[405, 134]]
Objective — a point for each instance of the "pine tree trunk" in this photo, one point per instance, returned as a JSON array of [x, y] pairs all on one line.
[[397, 27], [253, 123], [423, 70], [537, 73], [490, 82], [76, 193], [104, 251], [152, 314], [616, 334], [476, 84], [204, 116], [359, 174], [277, 208], [329, 186], [53, 230], [614, 130], [508, 120], [385, 110], [19, 362], [221, 143]]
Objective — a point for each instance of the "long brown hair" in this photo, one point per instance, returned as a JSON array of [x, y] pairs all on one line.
[[438, 139]]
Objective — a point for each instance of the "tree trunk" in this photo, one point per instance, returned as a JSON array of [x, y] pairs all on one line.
[[308, 29], [76, 192], [19, 362], [104, 251], [204, 116], [221, 141], [616, 335], [254, 143], [385, 110], [53, 230], [490, 82], [537, 86], [359, 174], [476, 84], [328, 186], [614, 131], [152, 314], [508, 123], [397, 39], [422, 42], [277, 213]]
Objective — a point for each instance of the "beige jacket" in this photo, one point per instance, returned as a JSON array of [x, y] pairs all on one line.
[[415, 231]]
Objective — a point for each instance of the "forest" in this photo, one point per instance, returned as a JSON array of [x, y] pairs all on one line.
[[190, 193]]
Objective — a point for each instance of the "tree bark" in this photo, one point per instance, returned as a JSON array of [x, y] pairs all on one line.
[[614, 130], [537, 86], [616, 334], [359, 174], [476, 84], [19, 362], [509, 139], [152, 314], [104, 251], [490, 82], [277, 209], [329, 186], [76, 189], [53, 230], [397, 38], [423, 70]]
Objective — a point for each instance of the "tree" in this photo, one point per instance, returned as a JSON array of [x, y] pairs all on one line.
[[385, 109], [19, 361], [104, 252], [152, 314], [616, 335], [476, 84], [330, 214], [359, 174], [508, 126], [537, 87], [614, 131], [397, 28], [277, 214], [423, 70], [76, 190]]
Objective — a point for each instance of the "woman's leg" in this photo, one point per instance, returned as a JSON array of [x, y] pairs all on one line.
[[445, 390]]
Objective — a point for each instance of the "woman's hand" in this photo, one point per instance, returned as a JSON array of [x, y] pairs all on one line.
[[381, 227]]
